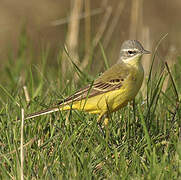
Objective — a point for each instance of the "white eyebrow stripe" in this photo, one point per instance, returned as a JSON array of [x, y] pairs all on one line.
[[129, 50]]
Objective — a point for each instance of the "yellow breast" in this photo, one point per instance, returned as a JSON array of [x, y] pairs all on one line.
[[128, 91]]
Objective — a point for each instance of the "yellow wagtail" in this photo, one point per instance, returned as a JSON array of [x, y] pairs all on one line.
[[112, 90]]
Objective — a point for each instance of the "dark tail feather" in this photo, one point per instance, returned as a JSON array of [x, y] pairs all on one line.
[[43, 112]]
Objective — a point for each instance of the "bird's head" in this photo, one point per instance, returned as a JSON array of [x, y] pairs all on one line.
[[131, 50]]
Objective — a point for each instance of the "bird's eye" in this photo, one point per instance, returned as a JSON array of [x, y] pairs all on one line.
[[131, 52]]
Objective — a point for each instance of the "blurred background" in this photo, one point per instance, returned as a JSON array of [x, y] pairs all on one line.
[[85, 26]]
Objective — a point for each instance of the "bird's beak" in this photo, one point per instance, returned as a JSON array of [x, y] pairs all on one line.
[[146, 52]]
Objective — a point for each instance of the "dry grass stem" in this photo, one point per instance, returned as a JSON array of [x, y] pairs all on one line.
[[97, 38], [72, 35], [114, 22], [135, 18], [170, 58], [27, 97], [67, 20], [87, 27], [14, 151], [102, 26], [21, 146], [175, 91], [145, 38]]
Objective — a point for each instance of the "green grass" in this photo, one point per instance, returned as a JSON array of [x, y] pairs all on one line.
[[144, 138]]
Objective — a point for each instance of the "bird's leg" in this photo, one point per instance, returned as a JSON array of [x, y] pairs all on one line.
[[99, 119], [106, 121], [107, 115], [104, 132], [104, 116]]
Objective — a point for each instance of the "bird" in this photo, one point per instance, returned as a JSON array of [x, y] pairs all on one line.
[[112, 90]]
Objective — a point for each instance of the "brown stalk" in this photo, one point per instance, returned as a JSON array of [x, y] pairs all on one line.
[[72, 36], [140, 31], [97, 38], [113, 24], [175, 91], [25, 145]]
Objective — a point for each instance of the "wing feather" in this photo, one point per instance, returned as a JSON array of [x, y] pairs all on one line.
[[110, 80]]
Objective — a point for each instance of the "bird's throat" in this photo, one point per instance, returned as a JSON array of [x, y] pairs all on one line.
[[134, 61]]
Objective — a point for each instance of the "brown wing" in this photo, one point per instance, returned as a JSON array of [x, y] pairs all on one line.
[[110, 80]]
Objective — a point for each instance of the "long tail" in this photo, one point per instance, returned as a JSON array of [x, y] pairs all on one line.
[[43, 112]]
